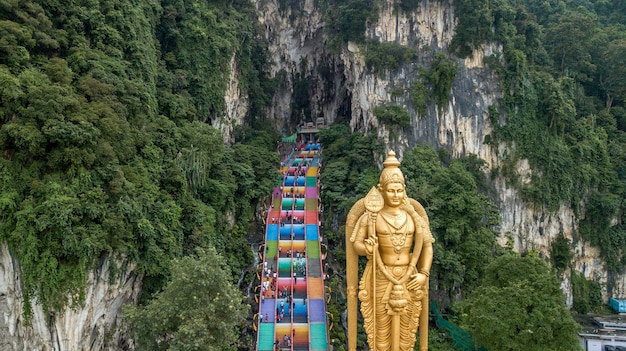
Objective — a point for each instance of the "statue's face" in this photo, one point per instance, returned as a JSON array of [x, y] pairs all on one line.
[[393, 193]]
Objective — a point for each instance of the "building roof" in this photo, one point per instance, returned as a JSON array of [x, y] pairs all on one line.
[[603, 326]]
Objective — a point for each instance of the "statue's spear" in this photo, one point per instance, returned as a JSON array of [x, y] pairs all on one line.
[[374, 202]]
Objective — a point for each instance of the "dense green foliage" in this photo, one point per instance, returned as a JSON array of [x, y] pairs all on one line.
[[474, 27], [519, 306], [349, 170], [348, 173], [438, 341], [105, 149], [434, 84], [419, 96], [601, 209], [198, 41], [440, 76], [204, 316]]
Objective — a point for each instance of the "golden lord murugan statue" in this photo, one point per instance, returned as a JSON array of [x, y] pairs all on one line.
[[393, 232]]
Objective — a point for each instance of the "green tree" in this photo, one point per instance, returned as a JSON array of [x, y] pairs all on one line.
[[520, 306], [474, 26], [613, 72], [568, 41], [199, 308], [350, 170]]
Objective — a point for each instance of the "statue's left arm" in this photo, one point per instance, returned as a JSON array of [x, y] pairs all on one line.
[[419, 280], [426, 258], [423, 250]]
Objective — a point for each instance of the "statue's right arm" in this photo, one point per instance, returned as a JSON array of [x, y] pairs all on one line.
[[359, 243]]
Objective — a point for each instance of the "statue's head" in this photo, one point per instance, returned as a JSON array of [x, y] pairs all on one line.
[[391, 181]]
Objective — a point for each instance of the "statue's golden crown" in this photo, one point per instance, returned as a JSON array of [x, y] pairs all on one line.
[[391, 173]]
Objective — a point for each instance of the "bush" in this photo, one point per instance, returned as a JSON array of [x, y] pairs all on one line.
[[387, 56], [393, 116]]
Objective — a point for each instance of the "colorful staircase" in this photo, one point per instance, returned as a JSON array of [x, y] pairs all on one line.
[[292, 310]]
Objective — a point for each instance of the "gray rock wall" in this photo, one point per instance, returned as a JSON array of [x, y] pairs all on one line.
[[92, 326]]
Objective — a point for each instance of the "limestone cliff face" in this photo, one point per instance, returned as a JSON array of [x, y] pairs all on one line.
[[297, 44], [93, 326], [236, 105]]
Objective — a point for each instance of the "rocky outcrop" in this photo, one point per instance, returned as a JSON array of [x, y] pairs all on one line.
[[460, 126], [93, 325]]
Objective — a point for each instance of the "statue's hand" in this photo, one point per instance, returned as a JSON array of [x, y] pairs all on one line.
[[417, 281], [370, 244]]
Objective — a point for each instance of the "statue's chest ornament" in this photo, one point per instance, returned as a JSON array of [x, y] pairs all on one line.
[[397, 229]]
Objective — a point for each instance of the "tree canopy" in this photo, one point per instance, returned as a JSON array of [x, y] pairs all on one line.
[[106, 145], [200, 309], [519, 306]]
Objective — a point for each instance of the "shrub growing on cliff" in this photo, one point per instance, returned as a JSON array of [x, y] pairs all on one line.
[[394, 116], [387, 56], [419, 96], [440, 76], [561, 252], [408, 5], [346, 19]]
